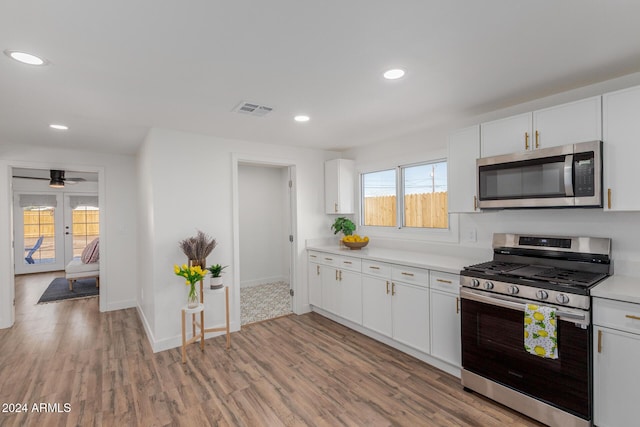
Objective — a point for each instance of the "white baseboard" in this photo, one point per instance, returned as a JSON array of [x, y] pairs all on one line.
[[145, 325]]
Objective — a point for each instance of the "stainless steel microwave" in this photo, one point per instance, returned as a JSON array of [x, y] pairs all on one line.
[[564, 176]]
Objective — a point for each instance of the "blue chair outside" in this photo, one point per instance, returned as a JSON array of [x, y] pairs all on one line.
[[32, 250]]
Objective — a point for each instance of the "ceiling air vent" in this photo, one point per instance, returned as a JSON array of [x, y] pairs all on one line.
[[252, 109]]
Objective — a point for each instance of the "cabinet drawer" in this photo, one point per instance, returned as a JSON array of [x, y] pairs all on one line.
[[446, 282], [314, 256], [619, 315], [329, 259], [417, 276], [378, 269], [348, 263]]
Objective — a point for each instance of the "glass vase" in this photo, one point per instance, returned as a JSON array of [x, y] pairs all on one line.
[[192, 299]]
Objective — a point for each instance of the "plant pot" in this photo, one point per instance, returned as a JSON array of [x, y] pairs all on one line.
[[216, 282]]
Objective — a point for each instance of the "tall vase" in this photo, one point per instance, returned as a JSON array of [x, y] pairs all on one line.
[[192, 299]]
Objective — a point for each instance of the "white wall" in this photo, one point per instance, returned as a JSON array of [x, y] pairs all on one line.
[[192, 178], [263, 224], [118, 244], [430, 144]]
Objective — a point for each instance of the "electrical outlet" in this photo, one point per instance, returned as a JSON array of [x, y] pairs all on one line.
[[470, 235]]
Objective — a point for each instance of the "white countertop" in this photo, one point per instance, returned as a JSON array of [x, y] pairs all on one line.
[[620, 288], [429, 260]]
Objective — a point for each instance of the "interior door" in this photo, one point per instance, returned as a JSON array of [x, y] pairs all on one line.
[[39, 241]]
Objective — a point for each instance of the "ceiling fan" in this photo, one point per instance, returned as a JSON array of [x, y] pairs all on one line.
[[57, 179]]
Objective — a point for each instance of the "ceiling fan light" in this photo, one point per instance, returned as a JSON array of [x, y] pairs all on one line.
[[56, 183]]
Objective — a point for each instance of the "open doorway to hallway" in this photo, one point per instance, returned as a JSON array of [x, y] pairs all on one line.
[[265, 248]]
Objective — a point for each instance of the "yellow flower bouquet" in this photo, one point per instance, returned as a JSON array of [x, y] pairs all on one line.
[[192, 275]]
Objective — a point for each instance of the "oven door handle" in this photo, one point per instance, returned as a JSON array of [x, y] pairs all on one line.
[[506, 302]]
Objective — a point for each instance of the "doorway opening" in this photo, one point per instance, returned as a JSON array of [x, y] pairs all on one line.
[[265, 240], [52, 226]]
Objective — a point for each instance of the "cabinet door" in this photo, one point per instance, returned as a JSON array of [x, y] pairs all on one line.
[[350, 288], [330, 289], [339, 176], [616, 377], [315, 284], [505, 136], [579, 121], [621, 129], [464, 149], [445, 326], [410, 307], [376, 304]]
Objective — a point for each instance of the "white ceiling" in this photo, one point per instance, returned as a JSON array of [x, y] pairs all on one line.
[[121, 67]]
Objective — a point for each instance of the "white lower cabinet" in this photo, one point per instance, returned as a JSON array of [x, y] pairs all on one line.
[[376, 305], [410, 308], [315, 283], [616, 353], [393, 308], [391, 300], [342, 288], [444, 293]]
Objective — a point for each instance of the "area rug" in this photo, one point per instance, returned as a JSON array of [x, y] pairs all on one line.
[[263, 302], [58, 290]]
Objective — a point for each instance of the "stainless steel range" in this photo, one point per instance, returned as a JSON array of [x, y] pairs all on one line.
[[552, 271]]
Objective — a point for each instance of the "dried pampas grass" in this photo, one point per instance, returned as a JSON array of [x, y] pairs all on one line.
[[198, 247]]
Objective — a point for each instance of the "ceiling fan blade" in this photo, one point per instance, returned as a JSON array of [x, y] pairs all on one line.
[[31, 177], [74, 180]]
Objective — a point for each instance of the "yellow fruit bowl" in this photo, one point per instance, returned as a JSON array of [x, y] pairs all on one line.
[[356, 245]]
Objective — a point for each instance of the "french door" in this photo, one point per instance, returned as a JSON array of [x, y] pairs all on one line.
[[39, 240], [52, 229]]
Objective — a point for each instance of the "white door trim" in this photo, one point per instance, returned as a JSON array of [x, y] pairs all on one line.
[[7, 271], [248, 159]]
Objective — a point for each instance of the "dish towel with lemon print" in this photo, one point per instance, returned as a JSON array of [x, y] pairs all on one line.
[[540, 337]]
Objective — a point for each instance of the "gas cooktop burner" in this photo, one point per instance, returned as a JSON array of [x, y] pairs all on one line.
[[495, 267], [571, 277]]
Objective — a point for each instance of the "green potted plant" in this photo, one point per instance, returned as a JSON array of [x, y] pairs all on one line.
[[216, 275], [344, 225]]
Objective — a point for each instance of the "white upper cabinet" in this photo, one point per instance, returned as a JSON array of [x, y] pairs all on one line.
[[505, 136], [569, 123], [339, 181], [463, 150], [579, 121], [621, 134]]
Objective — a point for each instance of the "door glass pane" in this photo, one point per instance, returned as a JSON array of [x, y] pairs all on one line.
[[39, 235], [85, 227]]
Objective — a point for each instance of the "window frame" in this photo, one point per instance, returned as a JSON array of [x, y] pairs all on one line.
[[449, 234]]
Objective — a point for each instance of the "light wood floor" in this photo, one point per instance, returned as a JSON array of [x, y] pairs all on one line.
[[292, 371]]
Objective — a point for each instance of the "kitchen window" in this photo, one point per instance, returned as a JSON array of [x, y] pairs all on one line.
[[411, 196]]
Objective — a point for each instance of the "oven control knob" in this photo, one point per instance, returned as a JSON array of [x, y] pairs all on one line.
[[488, 285], [475, 283], [513, 290], [562, 299], [542, 294]]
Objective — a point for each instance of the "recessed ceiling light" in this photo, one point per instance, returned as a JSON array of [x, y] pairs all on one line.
[[25, 58], [393, 74], [59, 127], [301, 118]]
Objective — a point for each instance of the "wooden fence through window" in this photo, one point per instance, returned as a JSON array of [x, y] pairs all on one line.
[[428, 210]]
